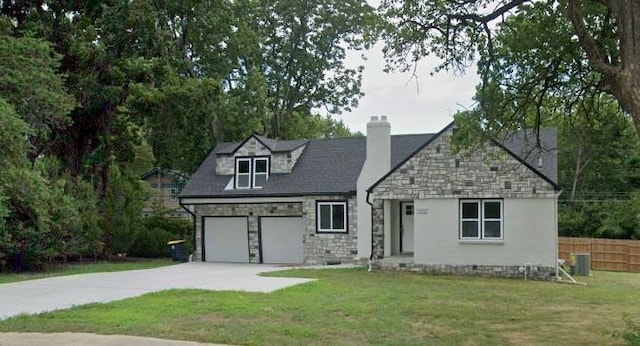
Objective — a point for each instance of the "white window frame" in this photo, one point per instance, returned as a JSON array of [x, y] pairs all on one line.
[[266, 174], [319, 229], [481, 219], [478, 219], [252, 172], [238, 174]]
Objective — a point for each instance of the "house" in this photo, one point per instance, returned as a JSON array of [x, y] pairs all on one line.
[[165, 184], [406, 201]]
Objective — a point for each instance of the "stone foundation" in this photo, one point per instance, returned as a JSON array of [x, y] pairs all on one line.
[[535, 273]]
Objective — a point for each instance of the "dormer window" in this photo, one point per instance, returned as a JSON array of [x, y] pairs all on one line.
[[251, 172]]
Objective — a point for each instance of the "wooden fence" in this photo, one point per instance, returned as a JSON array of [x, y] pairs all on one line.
[[606, 254]]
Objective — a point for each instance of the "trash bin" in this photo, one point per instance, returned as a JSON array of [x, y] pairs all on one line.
[[177, 250]]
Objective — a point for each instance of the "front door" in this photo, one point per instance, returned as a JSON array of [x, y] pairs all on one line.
[[406, 227]]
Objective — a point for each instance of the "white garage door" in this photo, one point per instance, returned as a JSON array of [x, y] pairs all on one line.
[[226, 239], [281, 239]]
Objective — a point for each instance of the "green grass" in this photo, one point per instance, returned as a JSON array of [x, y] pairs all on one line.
[[353, 307], [88, 267]]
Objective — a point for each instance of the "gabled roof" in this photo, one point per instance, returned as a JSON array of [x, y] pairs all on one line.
[[326, 166], [332, 166], [172, 173], [521, 146], [274, 145]]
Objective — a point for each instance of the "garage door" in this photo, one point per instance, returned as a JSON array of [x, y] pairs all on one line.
[[226, 239], [281, 239]]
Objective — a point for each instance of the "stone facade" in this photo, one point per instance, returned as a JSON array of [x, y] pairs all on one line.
[[319, 248], [435, 173], [534, 273], [323, 248], [281, 162]]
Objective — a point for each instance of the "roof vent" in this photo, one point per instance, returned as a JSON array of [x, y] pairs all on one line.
[[540, 162]]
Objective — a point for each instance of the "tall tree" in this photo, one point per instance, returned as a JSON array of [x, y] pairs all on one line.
[[570, 48], [30, 82]]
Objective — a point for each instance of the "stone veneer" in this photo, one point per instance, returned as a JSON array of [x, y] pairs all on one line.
[[323, 248], [319, 248], [534, 273], [280, 162], [435, 172]]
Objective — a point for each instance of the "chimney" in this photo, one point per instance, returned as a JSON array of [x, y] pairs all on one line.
[[376, 164], [378, 146]]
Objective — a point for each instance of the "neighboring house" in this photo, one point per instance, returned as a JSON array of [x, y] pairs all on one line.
[[166, 186], [405, 200]]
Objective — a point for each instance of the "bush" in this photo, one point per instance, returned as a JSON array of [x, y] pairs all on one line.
[[151, 243], [152, 238], [123, 201], [631, 332], [179, 228]]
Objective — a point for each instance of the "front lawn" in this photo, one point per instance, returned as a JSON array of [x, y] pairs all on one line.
[[87, 267], [353, 307]]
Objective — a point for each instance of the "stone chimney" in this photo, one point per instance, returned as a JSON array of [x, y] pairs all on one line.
[[377, 164]]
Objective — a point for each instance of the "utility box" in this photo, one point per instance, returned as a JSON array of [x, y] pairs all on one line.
[[580, 263]]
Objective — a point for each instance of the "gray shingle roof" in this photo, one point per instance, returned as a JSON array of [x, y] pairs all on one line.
[[273, 145], [526, 145], [332, 166]]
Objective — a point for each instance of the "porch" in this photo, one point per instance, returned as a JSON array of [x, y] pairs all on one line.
[[403, 261]]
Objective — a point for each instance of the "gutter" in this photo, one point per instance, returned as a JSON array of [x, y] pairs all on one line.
[[370, 206], [193, 216]]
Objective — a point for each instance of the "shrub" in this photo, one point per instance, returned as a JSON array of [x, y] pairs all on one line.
[[151, 243], [152, 238], [123, 201], [179, 228], [631, 332]]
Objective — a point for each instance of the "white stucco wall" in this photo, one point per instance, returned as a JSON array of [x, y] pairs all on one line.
[[530, 234]]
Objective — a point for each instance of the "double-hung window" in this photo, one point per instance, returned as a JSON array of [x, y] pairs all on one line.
[[251, 172], [332, 217], [481, 219], [260, 171]]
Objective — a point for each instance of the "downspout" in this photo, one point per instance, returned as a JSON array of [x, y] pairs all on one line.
[[193, 216], [372, 247]]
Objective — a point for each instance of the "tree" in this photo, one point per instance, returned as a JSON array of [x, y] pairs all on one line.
[[121, 218], [30, 82], [529, 50]]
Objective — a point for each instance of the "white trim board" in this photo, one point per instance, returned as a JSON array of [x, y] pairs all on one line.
[[191, 201]]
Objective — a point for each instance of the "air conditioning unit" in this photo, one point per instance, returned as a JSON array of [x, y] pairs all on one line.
[[580, 263]]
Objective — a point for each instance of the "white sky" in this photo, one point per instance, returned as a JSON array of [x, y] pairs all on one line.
[[425, 106]]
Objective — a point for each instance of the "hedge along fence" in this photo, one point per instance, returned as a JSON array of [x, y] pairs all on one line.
[[606, 254]]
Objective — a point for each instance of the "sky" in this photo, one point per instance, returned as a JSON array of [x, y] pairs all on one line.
[[424, 105]]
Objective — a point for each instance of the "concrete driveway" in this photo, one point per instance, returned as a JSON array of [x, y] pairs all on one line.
[[35, 296]]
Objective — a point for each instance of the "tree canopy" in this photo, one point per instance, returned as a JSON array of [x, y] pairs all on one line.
[[91, 93], [532, 55]]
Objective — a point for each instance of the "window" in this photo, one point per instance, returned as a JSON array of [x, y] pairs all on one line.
[[173, 194], [481, 219], [260, 171], [332, 217], [243, 173], [408, 209], [251, 172]]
